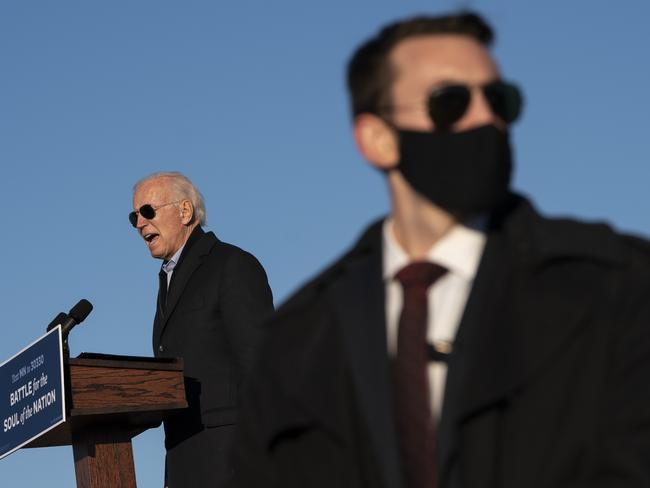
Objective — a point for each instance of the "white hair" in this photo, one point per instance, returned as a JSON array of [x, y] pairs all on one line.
[[182, 188]]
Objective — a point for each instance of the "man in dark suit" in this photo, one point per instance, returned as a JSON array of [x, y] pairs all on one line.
[[211, 301], [465, 341]]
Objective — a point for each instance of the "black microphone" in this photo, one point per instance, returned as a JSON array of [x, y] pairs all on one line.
[[76, 315], [59, 319]]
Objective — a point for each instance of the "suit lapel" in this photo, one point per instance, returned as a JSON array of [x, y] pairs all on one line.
[[516, 318], [191, 259], [359, 306], [481, 312]]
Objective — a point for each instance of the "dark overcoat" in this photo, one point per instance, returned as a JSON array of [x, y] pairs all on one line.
[[217, 299], [548, 383]]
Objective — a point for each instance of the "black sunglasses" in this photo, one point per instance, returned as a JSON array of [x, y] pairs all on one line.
[[449, 103], [147, 211]]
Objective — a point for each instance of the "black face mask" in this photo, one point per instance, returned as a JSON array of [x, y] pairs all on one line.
[[464, 173]]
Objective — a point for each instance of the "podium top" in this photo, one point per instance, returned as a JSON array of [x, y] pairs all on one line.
[[126, 393], [134, 362]]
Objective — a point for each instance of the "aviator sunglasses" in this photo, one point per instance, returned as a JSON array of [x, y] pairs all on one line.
[[147, 211], [448, 103]]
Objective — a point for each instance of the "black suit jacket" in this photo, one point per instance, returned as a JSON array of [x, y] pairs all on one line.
[[217, 298], [548, 385]]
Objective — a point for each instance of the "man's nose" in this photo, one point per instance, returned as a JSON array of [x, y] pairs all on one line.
[[141, 222], [478, 113]]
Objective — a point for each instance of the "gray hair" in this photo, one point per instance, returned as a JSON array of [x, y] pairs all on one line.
[[182, 188]]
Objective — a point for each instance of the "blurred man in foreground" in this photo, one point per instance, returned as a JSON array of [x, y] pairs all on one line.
[[211, 300], [465, 341]]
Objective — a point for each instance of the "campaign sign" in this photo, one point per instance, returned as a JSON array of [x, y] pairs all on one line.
[[32, 398]]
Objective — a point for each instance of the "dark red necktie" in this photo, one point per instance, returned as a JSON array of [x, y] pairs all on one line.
[[411, 382]]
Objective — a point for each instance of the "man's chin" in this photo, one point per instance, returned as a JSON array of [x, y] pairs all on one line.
[[157, 254]]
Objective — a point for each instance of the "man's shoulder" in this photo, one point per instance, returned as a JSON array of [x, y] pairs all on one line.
[[217, 249], [221, 261], [551, 239], [313, 297], [304, 333]]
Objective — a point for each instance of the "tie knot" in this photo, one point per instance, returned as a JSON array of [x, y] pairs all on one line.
[[422, 274]]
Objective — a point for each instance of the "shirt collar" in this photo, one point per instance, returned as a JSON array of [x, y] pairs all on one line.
[[168, 266], [459, 250]]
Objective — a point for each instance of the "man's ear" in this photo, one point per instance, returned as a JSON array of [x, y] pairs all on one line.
[[376, 141], [187, 212]]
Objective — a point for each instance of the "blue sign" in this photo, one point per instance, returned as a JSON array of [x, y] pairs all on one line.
[[32, 394]]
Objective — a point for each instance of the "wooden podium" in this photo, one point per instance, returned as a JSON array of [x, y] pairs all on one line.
[[110, 400]]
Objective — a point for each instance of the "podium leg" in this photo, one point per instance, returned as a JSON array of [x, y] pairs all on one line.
[[103, 459]]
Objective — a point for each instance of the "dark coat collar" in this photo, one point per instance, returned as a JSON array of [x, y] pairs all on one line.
[[537, 241], [198, 245], [358, 303], [195, 236]]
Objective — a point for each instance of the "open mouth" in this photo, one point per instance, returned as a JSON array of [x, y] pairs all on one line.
[[150, 238]]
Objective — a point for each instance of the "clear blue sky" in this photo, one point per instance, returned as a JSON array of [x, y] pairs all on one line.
[[247, 98]]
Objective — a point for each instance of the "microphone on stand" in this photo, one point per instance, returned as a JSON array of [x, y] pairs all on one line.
[[58, 320], [67, 321], [76, 315]]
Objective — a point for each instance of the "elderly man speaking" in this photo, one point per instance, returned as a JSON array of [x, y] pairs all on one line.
[[211, 300]]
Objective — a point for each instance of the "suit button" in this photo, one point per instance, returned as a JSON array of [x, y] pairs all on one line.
[[161, 348]]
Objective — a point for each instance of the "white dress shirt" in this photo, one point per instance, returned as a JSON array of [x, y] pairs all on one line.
[[460, 252]]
